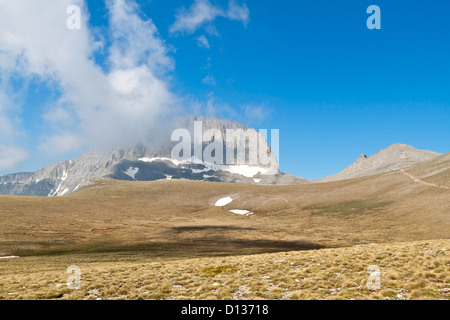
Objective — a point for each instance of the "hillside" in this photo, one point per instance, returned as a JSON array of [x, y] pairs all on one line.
[[179, 217], [435, 171], [396, 156]]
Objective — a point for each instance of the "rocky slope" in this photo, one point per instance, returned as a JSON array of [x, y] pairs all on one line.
[[143, 163], [397, 156]]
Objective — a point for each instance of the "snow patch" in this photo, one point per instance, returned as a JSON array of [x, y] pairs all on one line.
[[243, 170], [242, 212], [131, 172], [55, 192], [10, 257], [223, 202], [175, 162], [63, 193], [257, 180]]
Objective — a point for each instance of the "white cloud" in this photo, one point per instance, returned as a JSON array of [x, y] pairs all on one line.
[[257, 113], [202, 13], [209, 80], [6, 128], [11, 157], [212, 30], [59, 116], [213, 107], [97, 107], [119, 103], [63, 143], [238, 13], [136, 41], [203, 42]]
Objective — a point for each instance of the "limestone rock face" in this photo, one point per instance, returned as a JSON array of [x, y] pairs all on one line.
[[144, 163]]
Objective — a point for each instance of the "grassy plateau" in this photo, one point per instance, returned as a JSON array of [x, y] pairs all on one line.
[[167, 240]]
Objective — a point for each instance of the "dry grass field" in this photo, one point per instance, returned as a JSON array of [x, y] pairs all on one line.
[[151, 240], [416, 270]]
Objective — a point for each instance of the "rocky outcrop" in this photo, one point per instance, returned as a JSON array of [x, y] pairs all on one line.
[[143, 163], [395, 157]]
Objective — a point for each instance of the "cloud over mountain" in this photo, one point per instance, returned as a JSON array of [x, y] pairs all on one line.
[[100, 104]]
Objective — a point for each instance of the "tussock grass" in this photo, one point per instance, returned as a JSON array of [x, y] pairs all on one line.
[[411, 270], [217, 270]]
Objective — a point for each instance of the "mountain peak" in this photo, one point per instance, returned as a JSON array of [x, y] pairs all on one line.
[[362, 158], [396, 156], [153, 162]]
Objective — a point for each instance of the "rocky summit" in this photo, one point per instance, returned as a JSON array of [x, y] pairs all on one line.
[[142, 162], [397, 156]]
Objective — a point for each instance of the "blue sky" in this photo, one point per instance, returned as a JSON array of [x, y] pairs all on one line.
[[311, 69]]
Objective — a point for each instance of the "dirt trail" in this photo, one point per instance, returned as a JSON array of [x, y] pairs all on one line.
[[421, 181]]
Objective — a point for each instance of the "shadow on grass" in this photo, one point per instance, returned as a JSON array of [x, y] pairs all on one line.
[[194, 247], [209, 228]]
